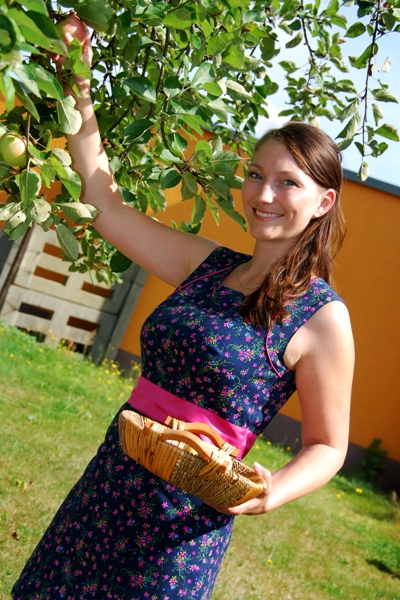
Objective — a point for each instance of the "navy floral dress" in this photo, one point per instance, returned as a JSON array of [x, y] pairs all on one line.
[[123, 533]]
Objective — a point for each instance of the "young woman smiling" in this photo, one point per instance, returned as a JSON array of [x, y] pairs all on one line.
[[230, 345]]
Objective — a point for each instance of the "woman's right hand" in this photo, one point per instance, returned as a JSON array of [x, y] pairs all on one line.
[[82, 84]]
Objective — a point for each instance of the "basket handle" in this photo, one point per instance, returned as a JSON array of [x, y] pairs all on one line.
[[203, 449], [207, 430]]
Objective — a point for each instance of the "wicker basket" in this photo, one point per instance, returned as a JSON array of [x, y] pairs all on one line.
[[174, 453]]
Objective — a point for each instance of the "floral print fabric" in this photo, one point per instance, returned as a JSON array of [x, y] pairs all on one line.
[[123, 533]]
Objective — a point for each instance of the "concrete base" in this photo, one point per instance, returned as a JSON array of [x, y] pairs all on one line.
[[286, 431]]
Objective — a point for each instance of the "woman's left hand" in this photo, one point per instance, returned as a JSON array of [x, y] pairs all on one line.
[[256, 506]]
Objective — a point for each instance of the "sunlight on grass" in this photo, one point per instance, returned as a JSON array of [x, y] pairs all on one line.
[[340, 542]]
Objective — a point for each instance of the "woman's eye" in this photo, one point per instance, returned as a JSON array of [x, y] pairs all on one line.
[[289, 182], [253, 175]]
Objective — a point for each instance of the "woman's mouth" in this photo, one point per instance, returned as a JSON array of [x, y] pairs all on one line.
[[267, 215]]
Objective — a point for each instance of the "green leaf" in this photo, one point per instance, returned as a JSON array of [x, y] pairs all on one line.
[[232, 213], [235, 54], [364, 171], [142, 88], [48, 174], [170, 178], [45, 81], [139, 131], [177, 143], [25, 100], [67, 241], [349, 110], [36, 5], [203, 146], [42, 210], [7, 89], [389, 132], [355, 30], [204, 74], [63, 156], [384, 95], [288, 66], [221, 189], [192, 122], [172, 87], [339, 20], [19, 231], [119, 262], [239, 89], [26, 76], [68, 177], [361, 61], [96, 14], [189, 186], [8, 36], [295, 41], [378, 113], [69, 118], [77, 212], [38, 30], [181, 18], [351, 127], [8, 210], [29, 182], [213, 89], [224, 156], [199, 209], [166, 155]]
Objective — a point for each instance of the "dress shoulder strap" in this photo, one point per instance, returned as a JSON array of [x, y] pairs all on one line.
[[300, 311]]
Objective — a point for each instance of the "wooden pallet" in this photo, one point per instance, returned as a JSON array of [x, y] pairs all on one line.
[[58, 306]]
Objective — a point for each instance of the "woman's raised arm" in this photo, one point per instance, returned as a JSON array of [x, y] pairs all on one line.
[[169, 254]]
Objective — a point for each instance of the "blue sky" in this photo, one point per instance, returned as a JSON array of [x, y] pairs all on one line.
[[387, 167]]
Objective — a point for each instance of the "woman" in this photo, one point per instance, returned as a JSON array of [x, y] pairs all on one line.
[[231, 344]]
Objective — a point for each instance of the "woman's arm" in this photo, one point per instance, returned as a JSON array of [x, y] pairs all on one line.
[[167, 253], [324, 355]]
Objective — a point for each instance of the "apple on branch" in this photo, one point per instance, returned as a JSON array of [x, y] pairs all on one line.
[[13, 150], [73, 26]]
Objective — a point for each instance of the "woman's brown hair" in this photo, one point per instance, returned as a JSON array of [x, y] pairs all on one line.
[[315, 250]]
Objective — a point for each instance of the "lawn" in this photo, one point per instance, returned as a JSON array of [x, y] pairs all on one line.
[[342, 541]]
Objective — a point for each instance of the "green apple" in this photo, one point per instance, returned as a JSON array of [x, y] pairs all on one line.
[[13, 150]]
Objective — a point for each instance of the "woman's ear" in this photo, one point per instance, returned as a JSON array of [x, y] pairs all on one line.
[[326, 203]]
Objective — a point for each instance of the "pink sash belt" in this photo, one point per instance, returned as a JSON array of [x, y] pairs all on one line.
[[156, 403]]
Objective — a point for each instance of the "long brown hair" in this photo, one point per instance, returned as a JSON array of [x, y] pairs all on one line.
[[315, 250]]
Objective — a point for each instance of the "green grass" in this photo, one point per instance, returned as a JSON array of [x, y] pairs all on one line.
[[55, 407]]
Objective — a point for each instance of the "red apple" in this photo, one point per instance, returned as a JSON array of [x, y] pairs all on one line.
[[13, 150], [74, 26]]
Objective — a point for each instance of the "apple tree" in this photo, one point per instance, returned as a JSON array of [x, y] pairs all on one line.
[[163, 72]]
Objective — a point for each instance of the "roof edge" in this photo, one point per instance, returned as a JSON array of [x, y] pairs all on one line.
[[373, 183]]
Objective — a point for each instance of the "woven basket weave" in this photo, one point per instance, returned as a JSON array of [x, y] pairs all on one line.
[[175, 453]]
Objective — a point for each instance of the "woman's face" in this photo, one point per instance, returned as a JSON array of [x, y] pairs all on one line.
[[279, 198]]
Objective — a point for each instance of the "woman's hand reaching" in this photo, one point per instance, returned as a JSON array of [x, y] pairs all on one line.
[[82, 84], [256, 506]]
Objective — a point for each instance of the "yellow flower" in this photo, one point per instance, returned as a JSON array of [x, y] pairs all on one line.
[[338, 495], [288, 448], [359, 491], [268, 443], [270, 561], [11, 355], [257, 447]]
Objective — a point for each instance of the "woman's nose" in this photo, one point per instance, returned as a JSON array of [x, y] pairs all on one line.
[[266, 193]]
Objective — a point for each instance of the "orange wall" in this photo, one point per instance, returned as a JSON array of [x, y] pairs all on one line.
[[368, 278]]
